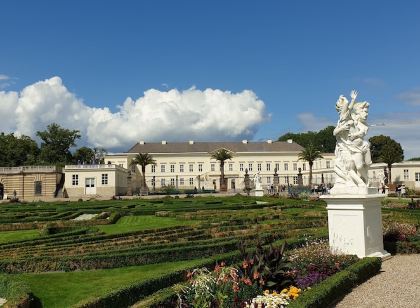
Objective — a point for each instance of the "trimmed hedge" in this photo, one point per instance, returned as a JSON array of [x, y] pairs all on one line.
[[326, 293]]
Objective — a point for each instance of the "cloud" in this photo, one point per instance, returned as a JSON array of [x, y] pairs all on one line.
[[411, 97], [172, 115], [5, 81], [310, 122]]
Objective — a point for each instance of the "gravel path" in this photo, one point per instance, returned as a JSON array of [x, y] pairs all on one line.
[[398, 285]]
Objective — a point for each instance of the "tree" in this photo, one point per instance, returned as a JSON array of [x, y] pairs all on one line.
[[84, 155], [323, 140], [310, 154], [143, 159], [222, 155], [386, 150], [99, 154], [414, 159], [56, 143], [17, 151]]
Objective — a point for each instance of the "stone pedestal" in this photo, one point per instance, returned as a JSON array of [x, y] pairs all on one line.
[[355, 224], [258, 192]]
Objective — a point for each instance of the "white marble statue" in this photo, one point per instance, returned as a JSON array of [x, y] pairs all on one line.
[[257, 181], [352, 152]]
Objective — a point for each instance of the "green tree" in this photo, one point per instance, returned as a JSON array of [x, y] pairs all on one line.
[[17, 151], [414, 159], [386, 150], [323, 140], [84, 155], [56, 143], [143, 159], [100, 154], [222, 155], [310, 154]]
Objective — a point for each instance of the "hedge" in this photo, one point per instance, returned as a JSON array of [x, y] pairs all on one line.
[[15, 291], [326, 293]]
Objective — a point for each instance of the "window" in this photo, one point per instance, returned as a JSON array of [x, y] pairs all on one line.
[[268, 180], [241, 167], [286, 166], [417, 175], [153, 168], [191, 168], [278, 166], [162, 168], [295, 180], [250, 167], [406, 177], [212, 167], [38, 188], [191, 181], [133, 168], [162, 182], [286, 179], [304, 167], [230, 167], [294, 166], [75, 179], [268, 167], [105, 179], [181, 168], [172, 182], [258, 167], [328, 164], [181, 181], [172, 168], [200, 167]]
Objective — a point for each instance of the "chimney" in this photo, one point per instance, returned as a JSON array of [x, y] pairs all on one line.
[[164, 142], [269, 141], [141, 142], [245, 141], [191, 142], [289, 140]]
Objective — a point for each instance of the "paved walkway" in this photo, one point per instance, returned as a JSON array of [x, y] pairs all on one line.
[[398, 285]]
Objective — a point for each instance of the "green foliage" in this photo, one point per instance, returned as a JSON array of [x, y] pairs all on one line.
[[84, 155], [310, 153], [338, 285], [14, 290], [414, 159], [56, 143], [322, 140], [143, 159], [17, 151]]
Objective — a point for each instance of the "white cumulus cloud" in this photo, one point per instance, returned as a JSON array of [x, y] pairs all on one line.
[[172, 115]]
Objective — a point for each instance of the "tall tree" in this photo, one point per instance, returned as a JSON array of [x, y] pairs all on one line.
[[222, 155], [99, 155], [56, 143], [323, 140], [143, 159], [310, 154], [17, 151], [386, 150], [84, 155]]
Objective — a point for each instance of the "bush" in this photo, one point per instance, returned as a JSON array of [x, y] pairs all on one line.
[[15, 291], [335, 287]]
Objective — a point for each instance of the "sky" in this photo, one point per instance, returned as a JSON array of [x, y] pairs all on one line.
[[125, 71]]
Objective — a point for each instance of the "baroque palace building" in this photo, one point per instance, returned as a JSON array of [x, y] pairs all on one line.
[[188, 165]]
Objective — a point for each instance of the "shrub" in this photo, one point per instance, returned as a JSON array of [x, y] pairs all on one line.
[[395, 231], [15, 291]]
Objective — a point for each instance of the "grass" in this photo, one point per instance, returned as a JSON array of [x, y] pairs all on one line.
[[12, 236], [136, 223], [67, 289]]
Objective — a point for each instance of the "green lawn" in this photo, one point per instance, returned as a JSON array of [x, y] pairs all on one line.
[[11, 236], [67, 289], [136, 223]]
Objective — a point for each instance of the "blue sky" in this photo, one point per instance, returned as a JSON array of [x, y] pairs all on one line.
[[296, 56]]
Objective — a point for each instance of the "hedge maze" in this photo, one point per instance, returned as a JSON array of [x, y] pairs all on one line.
[[208, 228]]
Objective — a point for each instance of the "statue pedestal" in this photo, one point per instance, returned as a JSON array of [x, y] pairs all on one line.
[[258, 192], [355, 224]]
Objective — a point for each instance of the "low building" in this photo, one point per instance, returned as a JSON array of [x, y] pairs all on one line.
[[30, 182], [104, 181]]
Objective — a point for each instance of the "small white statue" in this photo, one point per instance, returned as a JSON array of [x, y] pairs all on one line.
[[352, 152], [257, 181]]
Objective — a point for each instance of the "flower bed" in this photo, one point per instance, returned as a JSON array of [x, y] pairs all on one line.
[[401, 238]]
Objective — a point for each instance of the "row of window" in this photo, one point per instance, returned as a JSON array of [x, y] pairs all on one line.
[[172, 182], [242, 166], [75, 179]]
